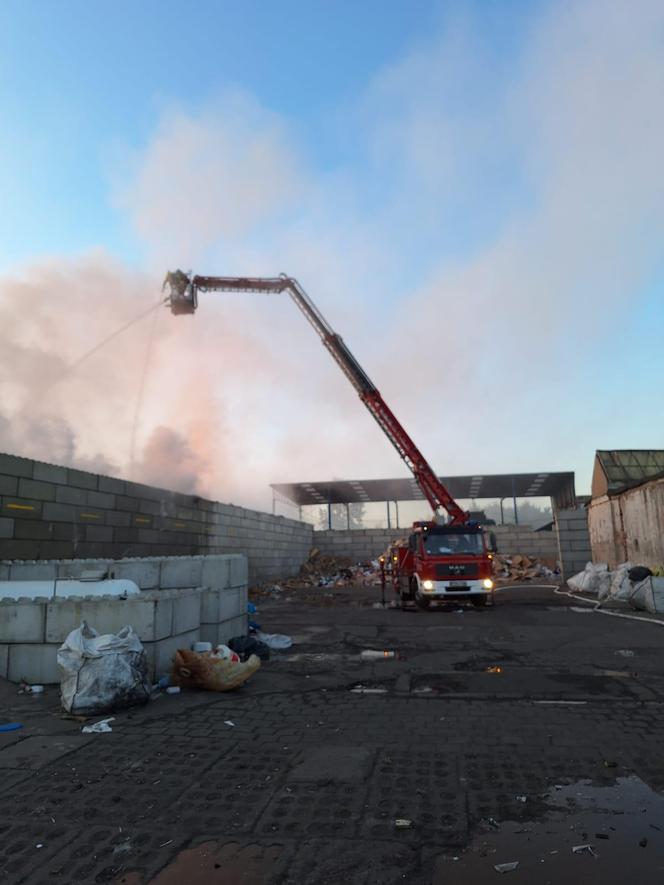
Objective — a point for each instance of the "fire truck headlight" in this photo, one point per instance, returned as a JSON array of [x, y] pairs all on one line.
[[488, 583], [428, 585]]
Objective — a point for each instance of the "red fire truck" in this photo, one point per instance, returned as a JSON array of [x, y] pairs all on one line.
[[445, 558]]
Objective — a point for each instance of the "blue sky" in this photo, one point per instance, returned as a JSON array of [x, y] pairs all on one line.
[[471, 190]]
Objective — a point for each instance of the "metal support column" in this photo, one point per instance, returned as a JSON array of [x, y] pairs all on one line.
[[516, 515], [347, 515], [274, 502], [396, 505], [502, 512], [329, 515], [389, 524]]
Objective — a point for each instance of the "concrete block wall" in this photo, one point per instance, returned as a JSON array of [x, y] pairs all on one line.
[[574, 549], [190, 599], [48, 512], [367, 544]]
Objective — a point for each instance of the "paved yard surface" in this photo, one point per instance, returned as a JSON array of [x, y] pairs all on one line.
[[508, 734]]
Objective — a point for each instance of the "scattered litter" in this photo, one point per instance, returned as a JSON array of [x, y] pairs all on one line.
[[609, 763], [402, 823], [36, 689], [10, 726], [123, 847], [493, 823], [625, 652], [360, 689], [275, 641], [494, 669], [101, 727], [601, 835], [173, 689], [251, 608], [164, 844], [164, 682], [584, 849], [506, 867], [228, 722], [209, 672], [580, 610], [521, 798], [370, 654], [508, 569], [201, 646], [39, 845], [223, 651], [246, 646]]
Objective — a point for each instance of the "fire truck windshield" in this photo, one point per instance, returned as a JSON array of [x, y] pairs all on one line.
[[452, 544]]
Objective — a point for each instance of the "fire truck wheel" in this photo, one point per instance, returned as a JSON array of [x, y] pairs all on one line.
[[422, 601], [479, 601]]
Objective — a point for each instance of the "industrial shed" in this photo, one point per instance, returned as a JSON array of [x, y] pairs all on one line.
[[626, 512]]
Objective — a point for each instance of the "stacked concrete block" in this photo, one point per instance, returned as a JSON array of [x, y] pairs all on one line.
[[573, 541], [183, 600], [47, 511]]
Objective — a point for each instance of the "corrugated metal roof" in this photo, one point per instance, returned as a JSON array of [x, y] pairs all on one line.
[[628, 467], [559, 486]]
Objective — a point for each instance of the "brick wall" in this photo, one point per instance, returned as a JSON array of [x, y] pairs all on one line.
[[51, 512]]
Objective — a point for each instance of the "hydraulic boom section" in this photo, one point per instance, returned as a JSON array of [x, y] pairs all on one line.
[[183, 292]]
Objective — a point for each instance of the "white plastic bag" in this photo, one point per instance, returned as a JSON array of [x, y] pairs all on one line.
[[275, 641], [102, 674]]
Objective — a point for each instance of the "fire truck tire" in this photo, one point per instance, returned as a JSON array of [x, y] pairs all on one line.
[[421, 601], [479, 601]]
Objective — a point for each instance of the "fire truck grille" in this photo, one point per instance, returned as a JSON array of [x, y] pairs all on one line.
[[445, 570]]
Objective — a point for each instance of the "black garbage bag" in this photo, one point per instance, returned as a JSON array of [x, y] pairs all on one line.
[[639, 573], [247, 645]]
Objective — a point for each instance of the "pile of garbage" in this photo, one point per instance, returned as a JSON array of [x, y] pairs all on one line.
[[510, 569], [635, 585], [324, 570]]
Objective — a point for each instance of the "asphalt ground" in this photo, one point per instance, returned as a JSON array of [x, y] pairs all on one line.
[[510, 734]]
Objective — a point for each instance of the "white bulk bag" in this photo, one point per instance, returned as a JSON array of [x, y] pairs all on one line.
[[102, 674]]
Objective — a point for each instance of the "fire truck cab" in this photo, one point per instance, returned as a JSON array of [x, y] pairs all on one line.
[[443, 562]]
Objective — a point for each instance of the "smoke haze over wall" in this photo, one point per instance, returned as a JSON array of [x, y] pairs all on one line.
[[497, 227]]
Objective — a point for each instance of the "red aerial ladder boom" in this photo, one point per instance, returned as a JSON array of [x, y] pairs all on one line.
[[183, 298]]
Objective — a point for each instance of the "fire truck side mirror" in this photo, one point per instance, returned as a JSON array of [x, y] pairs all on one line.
[[493, 546]]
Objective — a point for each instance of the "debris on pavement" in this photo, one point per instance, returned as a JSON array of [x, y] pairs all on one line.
[[228, 722], [371, 654], [506, 867], [402, 823], [245, 646], [10, 726], [101, 727], [206, 671], [323, 570], [274, 641], [173, 689], [518, 567], [584, 849], [521, 798]]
